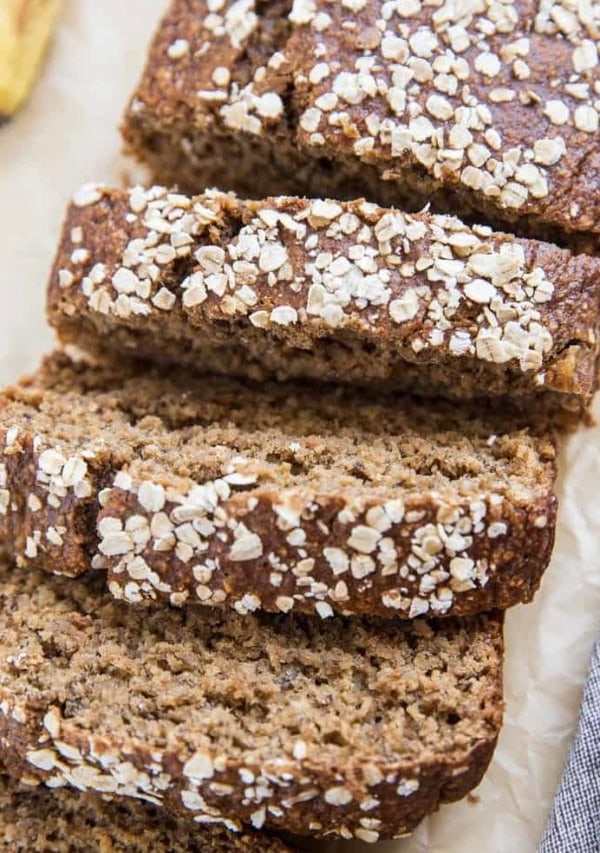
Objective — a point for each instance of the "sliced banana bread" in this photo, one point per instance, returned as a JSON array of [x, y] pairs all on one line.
[[348, 728], [338, 291], [486, 108], [38, 820], [274, 496]]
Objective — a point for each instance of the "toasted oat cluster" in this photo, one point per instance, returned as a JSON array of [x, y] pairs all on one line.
[[343, 291], [484, 106]]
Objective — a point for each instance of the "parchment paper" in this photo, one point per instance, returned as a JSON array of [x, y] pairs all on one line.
[[66, 135]]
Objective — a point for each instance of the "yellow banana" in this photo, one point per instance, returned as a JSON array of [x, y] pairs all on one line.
[[25, 27]]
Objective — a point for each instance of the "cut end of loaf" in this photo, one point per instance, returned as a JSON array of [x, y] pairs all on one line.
[[72, 821], [275, 497], [333, 291], [328, 719]]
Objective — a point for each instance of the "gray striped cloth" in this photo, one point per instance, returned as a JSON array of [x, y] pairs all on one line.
[[574, 825]]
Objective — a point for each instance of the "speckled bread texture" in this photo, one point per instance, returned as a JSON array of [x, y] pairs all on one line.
[[38, 820], [344, 728], [487, 109], [349, 292], [276, 497]]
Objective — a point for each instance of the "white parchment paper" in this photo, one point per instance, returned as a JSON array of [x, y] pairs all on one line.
[[66, 135]]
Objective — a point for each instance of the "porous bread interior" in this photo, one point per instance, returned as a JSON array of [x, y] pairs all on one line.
[[271, 167], [299, 435], [361, 359], [249, 687]]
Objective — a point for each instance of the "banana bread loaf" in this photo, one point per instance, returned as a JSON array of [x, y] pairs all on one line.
[[342, 728], [336, 291], [38, 820], [278, 497], [487, 109]]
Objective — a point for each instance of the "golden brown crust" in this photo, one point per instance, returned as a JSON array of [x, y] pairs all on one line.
[[348, 728], [487, 109], [334, 291], [275, 497]]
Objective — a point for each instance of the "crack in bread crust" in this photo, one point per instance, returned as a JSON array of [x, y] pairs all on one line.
[[483, 109]]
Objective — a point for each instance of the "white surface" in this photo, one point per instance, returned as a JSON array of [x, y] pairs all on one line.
[[67, 135]]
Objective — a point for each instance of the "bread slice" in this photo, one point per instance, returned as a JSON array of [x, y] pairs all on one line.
[[485, 109], [38, 820], [278, 497], [344, 728], [348, 292]]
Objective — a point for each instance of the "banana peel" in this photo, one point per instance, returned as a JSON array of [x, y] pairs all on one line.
[[25, 29]]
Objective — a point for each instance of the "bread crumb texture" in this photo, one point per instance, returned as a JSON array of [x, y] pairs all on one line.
[[344, 728], [274, 496], [340, 291], [486, 106]]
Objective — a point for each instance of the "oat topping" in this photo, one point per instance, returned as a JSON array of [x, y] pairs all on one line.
[[425, 517], [431, 79], [430, 84], [199, 531], [86, 195], [56, 478], [253, 722], [430, 280], [98, 767], [178, 49]]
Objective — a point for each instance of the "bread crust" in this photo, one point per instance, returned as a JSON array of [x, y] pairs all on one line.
[[312, 98], [251, 534], [344, 292], [33, 818], [371, 793], [439, 782]]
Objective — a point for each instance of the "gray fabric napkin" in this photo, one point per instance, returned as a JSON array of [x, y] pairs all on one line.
[[574, 825]]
